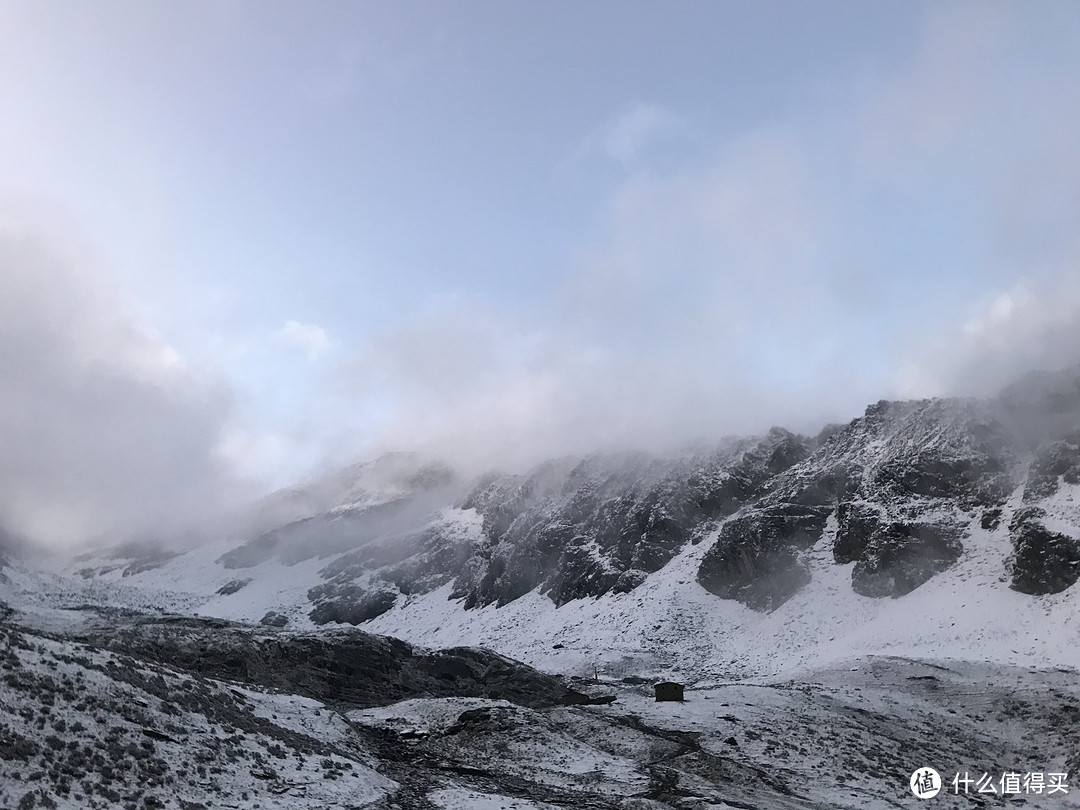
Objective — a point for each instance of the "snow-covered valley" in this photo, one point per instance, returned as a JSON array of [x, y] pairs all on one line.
[[843, 611]]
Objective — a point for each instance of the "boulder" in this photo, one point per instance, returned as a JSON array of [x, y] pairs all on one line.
[[1043, 561]]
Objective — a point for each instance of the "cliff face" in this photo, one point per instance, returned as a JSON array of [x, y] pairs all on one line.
[[574, 528], [900, 482], [894, 494], [605, 523]]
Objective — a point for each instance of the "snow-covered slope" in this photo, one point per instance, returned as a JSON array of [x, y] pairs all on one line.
[[944, 528], [89, 721], [896, 593], [671, 626]]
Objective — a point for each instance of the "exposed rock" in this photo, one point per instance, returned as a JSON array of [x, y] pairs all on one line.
[[900, 478], [274, 619], [232, 586], [1059, 460], [905, 481], [856, 523], [755, 558], [891, 558], [345, 666], [578, 529], [1043, 561], [991, 518], [354, 606], [900, 557]]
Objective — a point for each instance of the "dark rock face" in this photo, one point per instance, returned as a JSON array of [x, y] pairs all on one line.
[[1055, 461], [1043, 561], [891, 558], [233, 586], [948, 449], [902, 485], [573, 528], [603, 524], [900, 557], [274, 619], [899, 479], [354, 606], [991, 518], [756, 557], [857, 521], [367, 582], [345, 667]]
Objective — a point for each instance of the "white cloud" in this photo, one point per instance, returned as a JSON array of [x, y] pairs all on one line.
[[107, 432], [631, 131], [697, 312], [312, 339], [1034, 325], [771, 284], [988, 112]]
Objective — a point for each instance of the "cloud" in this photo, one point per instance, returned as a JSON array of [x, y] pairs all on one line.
[[695, 313], [1033, 325], [107, 432], [312, 339], [987, 116], [913, 236], [629, 132]]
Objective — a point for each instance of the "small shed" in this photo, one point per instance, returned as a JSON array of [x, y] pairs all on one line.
[[669, 690]]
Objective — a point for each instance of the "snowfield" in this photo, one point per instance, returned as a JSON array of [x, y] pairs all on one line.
[[146, 678], [668, 627]]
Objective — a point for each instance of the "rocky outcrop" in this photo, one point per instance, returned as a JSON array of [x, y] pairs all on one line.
[[348, 605], [755, 558], [899, 557], [1053, 463], [274, 619], [603, 524], [856, 524], [891, 558], [344, 667], [1044, 561], [899, 479], [572, 527], [892, 493]]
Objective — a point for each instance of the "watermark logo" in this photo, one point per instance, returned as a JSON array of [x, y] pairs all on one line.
[[1012, 783], [925, 783]]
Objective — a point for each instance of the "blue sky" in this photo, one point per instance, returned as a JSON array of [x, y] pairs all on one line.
[[278, 235]]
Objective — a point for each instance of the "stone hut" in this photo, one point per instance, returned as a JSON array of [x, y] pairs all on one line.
[[669, 690]]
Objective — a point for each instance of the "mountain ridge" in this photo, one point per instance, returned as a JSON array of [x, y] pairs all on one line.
[[877, 509]]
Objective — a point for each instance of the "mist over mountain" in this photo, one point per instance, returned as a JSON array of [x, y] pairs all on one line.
[[557, 406], [902, 483], [841, 587], [894, 492]]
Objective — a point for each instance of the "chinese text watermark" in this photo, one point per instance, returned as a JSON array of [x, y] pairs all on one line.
[[927, 783]]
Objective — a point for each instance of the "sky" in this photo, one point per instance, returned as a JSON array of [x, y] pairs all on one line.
[[242, 242]]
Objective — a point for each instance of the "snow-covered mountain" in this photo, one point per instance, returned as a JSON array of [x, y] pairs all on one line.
[[930, 547], [782, 533]]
